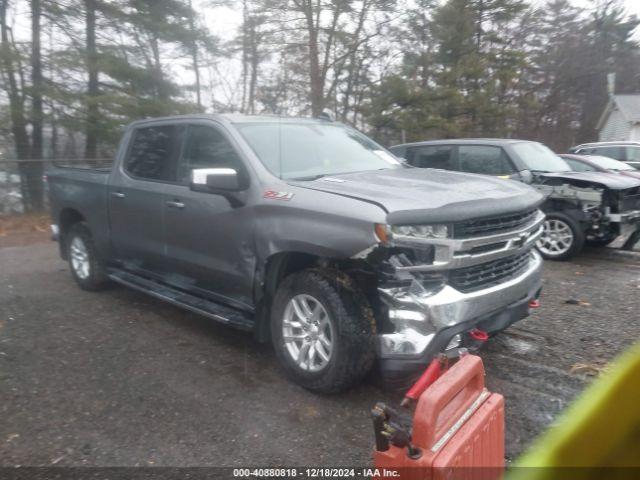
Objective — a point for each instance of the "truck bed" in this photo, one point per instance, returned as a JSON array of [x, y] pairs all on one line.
[[83, 189]]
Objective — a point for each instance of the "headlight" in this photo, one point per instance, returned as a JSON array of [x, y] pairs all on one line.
[[420, 231]]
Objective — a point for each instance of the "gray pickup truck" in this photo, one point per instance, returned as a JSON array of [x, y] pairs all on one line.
[[307, 233]]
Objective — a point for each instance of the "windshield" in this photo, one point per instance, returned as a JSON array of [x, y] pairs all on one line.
[[308, 151], [539, 158], [609, 163]]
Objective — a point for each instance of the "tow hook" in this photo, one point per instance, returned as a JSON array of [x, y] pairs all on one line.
[[479, 335], [476, 338]]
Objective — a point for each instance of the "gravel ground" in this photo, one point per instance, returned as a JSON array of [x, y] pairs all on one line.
[[119, 379]]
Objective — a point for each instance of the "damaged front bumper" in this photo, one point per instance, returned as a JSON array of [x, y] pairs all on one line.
[[422, 333], [483, 282]]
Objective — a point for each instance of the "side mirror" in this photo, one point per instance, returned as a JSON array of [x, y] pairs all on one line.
[[215, 180], [526, 176]]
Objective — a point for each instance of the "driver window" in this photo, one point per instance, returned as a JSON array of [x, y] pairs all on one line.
[[206, 147]]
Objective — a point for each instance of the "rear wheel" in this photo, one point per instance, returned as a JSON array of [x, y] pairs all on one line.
[[86, 268], [562, 237], [322, 330]]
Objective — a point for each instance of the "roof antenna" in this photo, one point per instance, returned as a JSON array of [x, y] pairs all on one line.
[[326, 116]]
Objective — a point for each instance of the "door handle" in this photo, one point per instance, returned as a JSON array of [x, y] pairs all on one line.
[[175, 204], [118, 194]]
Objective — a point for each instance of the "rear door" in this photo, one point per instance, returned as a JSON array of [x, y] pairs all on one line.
[[137, 196], [432, 156], [209, 236]]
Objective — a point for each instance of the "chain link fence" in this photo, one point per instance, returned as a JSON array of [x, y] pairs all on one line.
[[23, 189]]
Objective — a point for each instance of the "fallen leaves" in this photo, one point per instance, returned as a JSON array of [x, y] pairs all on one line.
[[574, 301], [27, 223], [589, 369]]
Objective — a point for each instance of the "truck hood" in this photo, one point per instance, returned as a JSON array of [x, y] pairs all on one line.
[[424, 195], [609, 180]]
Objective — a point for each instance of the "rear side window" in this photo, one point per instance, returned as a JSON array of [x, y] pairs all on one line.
[[611, 152], [484, 159], [431, 156], [633, 154], [153, 153], [207, 147]]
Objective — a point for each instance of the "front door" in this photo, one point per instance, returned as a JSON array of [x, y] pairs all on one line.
[[210, 239]]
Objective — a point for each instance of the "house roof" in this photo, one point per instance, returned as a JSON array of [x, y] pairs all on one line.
[[629, 106]]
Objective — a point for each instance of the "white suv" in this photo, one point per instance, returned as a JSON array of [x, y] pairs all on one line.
[[628, 152]]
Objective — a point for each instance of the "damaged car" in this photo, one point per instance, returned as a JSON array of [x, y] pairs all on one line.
[[581, 207], [308, 234]]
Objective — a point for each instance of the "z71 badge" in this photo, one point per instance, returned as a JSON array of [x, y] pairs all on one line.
[[273, 195]]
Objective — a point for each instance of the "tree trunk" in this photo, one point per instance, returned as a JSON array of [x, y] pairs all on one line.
[[315, 74], [35, 199], [92, 129], [194, 57], [255, 61], [16, 101], [161, 90]]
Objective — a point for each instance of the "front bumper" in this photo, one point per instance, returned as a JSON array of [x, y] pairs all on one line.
[[450, 312], [629, 217]]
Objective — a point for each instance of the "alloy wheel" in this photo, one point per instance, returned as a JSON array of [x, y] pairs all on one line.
[[79, 258], [557, 238], [308, 333]]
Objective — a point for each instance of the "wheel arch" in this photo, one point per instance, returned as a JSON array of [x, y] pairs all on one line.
[[280, 265], [67, 218], [275, 268]]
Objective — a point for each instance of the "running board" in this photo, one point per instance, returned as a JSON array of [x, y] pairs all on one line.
[[207, 308]]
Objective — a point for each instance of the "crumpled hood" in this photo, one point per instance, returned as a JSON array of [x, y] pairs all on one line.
[[415, 195], [611, 180]]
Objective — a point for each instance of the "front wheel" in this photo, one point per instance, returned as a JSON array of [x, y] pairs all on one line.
[[562, 237], [322, 330]]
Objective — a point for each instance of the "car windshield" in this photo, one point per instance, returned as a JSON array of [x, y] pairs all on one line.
[[539, 158], [306, 151], [609, 163]]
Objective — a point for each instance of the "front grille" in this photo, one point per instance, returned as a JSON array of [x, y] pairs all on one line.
[[493, 225], [485, 275]]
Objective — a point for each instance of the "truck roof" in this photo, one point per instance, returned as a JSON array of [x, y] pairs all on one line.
[[235, 118]]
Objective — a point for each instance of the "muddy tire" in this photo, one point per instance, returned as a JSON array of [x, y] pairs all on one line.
[[322, 330], [562, 237], [86, 268]]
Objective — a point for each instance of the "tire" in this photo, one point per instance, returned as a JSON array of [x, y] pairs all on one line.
[[554, 248], [86, 268], [347, 322]]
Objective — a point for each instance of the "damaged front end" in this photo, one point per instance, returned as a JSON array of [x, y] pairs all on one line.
[[436, 283], [605, 211]]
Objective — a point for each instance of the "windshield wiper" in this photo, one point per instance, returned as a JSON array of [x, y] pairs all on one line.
[[310, 177]]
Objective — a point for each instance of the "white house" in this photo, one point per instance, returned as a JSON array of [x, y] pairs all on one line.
[[620, 120]]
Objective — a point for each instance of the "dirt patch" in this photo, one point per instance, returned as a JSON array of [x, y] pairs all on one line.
[[27, 229]]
